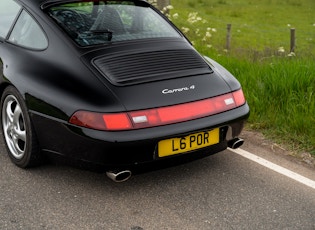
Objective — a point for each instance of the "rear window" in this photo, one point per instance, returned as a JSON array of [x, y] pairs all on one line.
[[102, 22], [9, 10]]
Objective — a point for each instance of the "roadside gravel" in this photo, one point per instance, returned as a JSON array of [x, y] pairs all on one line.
[[258, 139]]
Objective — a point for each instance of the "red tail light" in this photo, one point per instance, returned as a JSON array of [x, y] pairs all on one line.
[[239, 98], [158, 116]]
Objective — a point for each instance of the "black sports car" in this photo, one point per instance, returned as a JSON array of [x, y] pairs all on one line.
[[112, 84]]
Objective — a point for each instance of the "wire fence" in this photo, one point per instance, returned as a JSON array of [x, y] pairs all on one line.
[[294, 39], [231, 35]]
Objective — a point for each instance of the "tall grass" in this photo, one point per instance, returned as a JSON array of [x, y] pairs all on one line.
[[281, 95], [279, 85]]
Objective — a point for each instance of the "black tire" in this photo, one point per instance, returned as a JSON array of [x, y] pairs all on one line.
[[18, 133]]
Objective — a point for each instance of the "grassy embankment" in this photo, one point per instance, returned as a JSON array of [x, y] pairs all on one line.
[[279, 85]]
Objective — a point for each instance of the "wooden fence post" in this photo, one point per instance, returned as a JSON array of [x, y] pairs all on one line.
[[228, 37], [292, 42]]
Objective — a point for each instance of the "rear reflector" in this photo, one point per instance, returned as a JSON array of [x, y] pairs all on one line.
[[158, 116]]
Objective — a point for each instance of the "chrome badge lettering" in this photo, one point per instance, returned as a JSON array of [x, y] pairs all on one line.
[[178, 90]]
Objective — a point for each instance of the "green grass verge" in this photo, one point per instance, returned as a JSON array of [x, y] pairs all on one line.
[[279, 85], [281, 95]]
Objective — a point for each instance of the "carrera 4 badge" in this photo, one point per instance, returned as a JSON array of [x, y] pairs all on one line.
[[178, 90]]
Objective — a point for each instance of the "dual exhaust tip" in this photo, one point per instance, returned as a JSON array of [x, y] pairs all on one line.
[[119, 176], [235, 143], [123, 175]]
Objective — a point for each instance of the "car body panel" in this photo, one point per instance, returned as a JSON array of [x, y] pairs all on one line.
[[64, 78]]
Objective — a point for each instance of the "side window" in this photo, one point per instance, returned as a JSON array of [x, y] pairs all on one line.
[[9, 9], [28, 33]]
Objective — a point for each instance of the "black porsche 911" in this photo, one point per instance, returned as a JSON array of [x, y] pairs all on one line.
[[112, 84]]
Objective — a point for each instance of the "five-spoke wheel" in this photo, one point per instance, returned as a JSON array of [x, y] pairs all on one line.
[[17, 129]]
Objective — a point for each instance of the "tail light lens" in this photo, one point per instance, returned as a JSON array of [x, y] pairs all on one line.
[[158, 116]]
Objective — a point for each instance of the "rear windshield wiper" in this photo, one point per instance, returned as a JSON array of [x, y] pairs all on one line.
[[106, 31]]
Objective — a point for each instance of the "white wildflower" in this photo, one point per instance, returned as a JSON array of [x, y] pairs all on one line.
[[291, 54], [185, 30], [197, 32], [281, 49], [175, 15], [193, 17]]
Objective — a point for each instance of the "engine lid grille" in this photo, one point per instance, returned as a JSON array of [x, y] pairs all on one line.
[[145, 67]]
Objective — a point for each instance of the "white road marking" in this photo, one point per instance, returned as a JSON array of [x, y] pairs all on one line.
[[275, 167]]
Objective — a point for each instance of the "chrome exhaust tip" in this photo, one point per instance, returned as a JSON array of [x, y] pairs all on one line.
[[119, 176], [235, 143]]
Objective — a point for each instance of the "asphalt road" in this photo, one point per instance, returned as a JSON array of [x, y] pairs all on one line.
[[223, 191]]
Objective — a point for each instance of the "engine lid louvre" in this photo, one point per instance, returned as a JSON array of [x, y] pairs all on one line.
[[145, 67]]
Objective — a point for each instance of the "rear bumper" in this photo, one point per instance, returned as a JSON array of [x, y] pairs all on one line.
[[127, 149]]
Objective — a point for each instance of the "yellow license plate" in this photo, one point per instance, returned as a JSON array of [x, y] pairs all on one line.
[[185, 144]]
